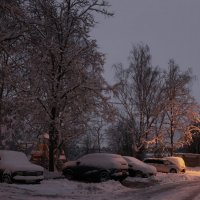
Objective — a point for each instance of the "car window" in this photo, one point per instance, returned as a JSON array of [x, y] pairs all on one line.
[[146, 161], [149, 161], [177, 161], [160, 162], [155, 161], [167, 162]]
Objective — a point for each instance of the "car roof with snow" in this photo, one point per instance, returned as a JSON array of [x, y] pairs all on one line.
[[102, 155], [104, 160], [173, 159], [176, 160], [8, 154]]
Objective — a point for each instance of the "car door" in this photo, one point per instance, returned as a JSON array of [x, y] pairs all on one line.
[[85, 169], [161, 166], [153, 162], [157, 163]]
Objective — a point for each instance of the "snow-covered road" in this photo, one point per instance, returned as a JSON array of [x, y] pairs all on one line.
[[162, 187], [172, 191]]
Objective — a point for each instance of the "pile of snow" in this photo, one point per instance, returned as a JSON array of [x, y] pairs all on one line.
[[165, 178], [64, 189]]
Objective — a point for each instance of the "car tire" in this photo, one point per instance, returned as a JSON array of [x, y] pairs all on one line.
[[103, 176], [139, 174], [145, 176], [173, 171], [6, 178], [131, 173], [122, 179], [69, 174]]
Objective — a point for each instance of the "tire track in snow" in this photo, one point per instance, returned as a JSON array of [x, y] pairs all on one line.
[[176, 191]]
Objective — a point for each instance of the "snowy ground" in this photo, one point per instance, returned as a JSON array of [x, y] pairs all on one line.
[[58, 189]]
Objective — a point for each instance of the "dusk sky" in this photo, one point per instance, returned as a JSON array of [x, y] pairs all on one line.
[[171, 28]]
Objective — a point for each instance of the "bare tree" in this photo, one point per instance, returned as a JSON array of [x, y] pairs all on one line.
[[95, 138], [180, 109], [120, 139], [140, 94]]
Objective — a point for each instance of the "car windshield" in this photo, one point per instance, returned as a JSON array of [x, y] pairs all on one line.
[[177, 161], [133, 160], [13, 156]]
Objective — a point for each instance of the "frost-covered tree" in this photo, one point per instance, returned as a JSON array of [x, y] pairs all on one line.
[[140, 95], [11, 16], [65, 65], [11, 36], [181, 111]]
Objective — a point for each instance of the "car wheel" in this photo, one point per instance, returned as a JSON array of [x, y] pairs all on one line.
[[121, 179], [145, 176], [69, 174], [139, 174], [131, 173], [104, 176], [173, 171], [7, 178]]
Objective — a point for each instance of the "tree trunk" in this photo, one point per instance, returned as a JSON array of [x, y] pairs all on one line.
[[51, 147], [172, 141], [52, 139]]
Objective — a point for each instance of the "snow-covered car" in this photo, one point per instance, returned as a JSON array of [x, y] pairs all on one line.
[[97, 167], [15, 167], [167, 164], [138, 168]]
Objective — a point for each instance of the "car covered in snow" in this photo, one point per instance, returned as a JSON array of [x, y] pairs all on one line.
[[138, 168], [15, 167], [97, 167], [167, 164]]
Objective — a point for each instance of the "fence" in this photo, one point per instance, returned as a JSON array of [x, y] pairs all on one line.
[[191, 160]]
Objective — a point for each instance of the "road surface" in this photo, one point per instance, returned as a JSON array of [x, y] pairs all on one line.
[[185, 190]]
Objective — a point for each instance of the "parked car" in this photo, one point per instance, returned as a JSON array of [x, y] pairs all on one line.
[[15, 166], [138, 168], [97, 167], [167, 164]]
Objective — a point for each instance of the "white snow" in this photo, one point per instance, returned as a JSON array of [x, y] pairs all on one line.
[[16, 161], [177, 161], [58, 189], [103, 160]]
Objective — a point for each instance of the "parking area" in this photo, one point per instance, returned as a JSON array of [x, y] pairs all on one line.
[[56, 187]]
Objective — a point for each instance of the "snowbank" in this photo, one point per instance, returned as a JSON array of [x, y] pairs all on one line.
[[58, 189]]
